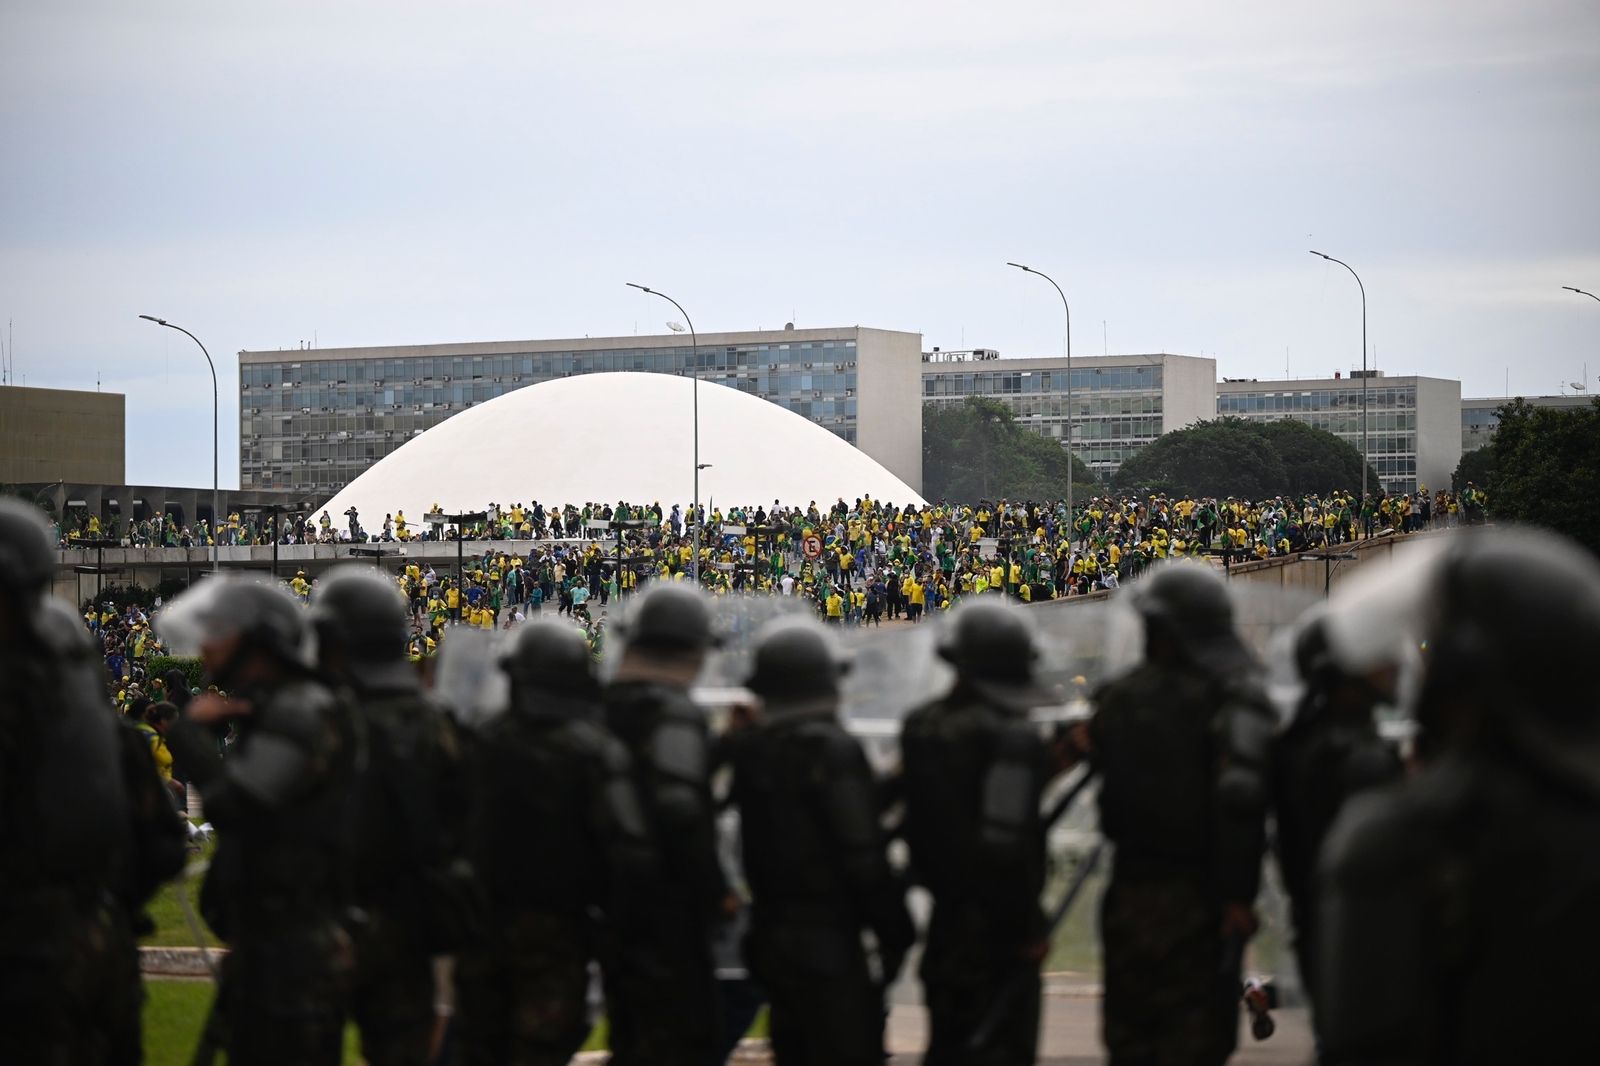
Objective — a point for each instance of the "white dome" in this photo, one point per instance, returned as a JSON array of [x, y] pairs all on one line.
[[610, 437]]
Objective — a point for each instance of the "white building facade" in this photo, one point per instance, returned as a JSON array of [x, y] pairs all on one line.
[[1480, 416], [313, 420], [1120, 403], [1413, 423]]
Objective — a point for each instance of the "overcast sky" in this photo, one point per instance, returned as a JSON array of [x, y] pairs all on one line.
[[395, 173]]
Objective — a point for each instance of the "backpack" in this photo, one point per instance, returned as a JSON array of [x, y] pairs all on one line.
[[403, 846]]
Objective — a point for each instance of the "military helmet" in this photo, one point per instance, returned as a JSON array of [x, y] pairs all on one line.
[[263, 616], [362, 614], [668, 617], [1513, 614], [796, 664], [359, 609], [550, 657], [1190, 604], [1313, 651], [1184, 596], [27, 557], [994, 650]]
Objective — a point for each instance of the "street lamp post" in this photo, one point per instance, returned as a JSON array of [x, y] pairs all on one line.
[[216, 496], [1364, 380], [1071, 520], [1581, 292], [694, 371]]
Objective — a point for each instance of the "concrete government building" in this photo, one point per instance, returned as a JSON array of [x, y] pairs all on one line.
[[1480, 416], [54, 435], [313, 420], [1120, 403], [1413, 427]]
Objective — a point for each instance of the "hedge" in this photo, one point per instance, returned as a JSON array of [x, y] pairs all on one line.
[[158, 665]]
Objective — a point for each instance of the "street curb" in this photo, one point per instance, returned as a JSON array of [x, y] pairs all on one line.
[[177, 961]]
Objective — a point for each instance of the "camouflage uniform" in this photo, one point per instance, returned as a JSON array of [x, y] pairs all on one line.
[[558, 840], [69, 982], [814, 854], [276, 891], [1460, 910], [402, 878], [1159, 739], [985, 869], [661, 990]]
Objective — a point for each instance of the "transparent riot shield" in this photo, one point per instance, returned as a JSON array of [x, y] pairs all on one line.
[[470, 677]]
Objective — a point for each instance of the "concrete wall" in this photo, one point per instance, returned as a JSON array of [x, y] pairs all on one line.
[[1438, 431], [1292, 573], [889, 401], [1188, 391], [61, 435]]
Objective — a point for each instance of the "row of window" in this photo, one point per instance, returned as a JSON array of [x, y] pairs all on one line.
[[998, 382], [351, 396], [292, 371], [1229, 403], [1082, 407]]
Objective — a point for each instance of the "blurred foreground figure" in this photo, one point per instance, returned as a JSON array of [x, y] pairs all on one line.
[[276, 891], [404, 807], [1461, 910], [86, 832], [975, 772], [1183, 744], [661, 990], [558, 838], [1329, 752], [814, 853]]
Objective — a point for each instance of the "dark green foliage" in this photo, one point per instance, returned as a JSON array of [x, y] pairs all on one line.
[[1250, 460], [1546, 469], [1476, 466], [1314, 460], [976, 450], [158, 665]]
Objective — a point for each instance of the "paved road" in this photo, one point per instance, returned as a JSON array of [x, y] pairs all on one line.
[[1071, 1035]]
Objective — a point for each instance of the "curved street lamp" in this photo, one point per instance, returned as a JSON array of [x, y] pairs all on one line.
[[1364, 460], [216, 496], [1071, 519], [694, 372]]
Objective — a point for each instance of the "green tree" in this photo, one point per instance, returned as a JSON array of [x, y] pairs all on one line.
[[1252, 460], [1216, 458], [977, 450], [1476, 466], [1546, 469], [1314, 460]]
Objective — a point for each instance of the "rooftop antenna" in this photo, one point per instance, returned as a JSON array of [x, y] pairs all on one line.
[[1105, 343]]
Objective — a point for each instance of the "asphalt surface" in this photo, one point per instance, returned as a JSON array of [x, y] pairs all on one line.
[[1070, 1034]]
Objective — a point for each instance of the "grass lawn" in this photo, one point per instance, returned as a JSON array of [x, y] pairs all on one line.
[[175, 1012]]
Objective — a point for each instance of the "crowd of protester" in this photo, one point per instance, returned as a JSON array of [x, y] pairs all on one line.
[[856, 564]]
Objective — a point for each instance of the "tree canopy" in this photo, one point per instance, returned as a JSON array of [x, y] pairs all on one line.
[[1252, 460], [977, 450], [1544, 468]]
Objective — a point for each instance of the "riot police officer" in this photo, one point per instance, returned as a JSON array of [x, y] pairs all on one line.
[[1329, 751], [814, 854], [558, 838], [404, 808], [275, 892], [1461, 910], [661, 991], [975, 770], [1183, 744], [68, 972]]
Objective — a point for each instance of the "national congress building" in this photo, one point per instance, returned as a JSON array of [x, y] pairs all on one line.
[[312, 420]]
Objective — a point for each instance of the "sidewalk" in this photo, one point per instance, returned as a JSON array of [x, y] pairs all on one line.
[[1070, 1034]]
